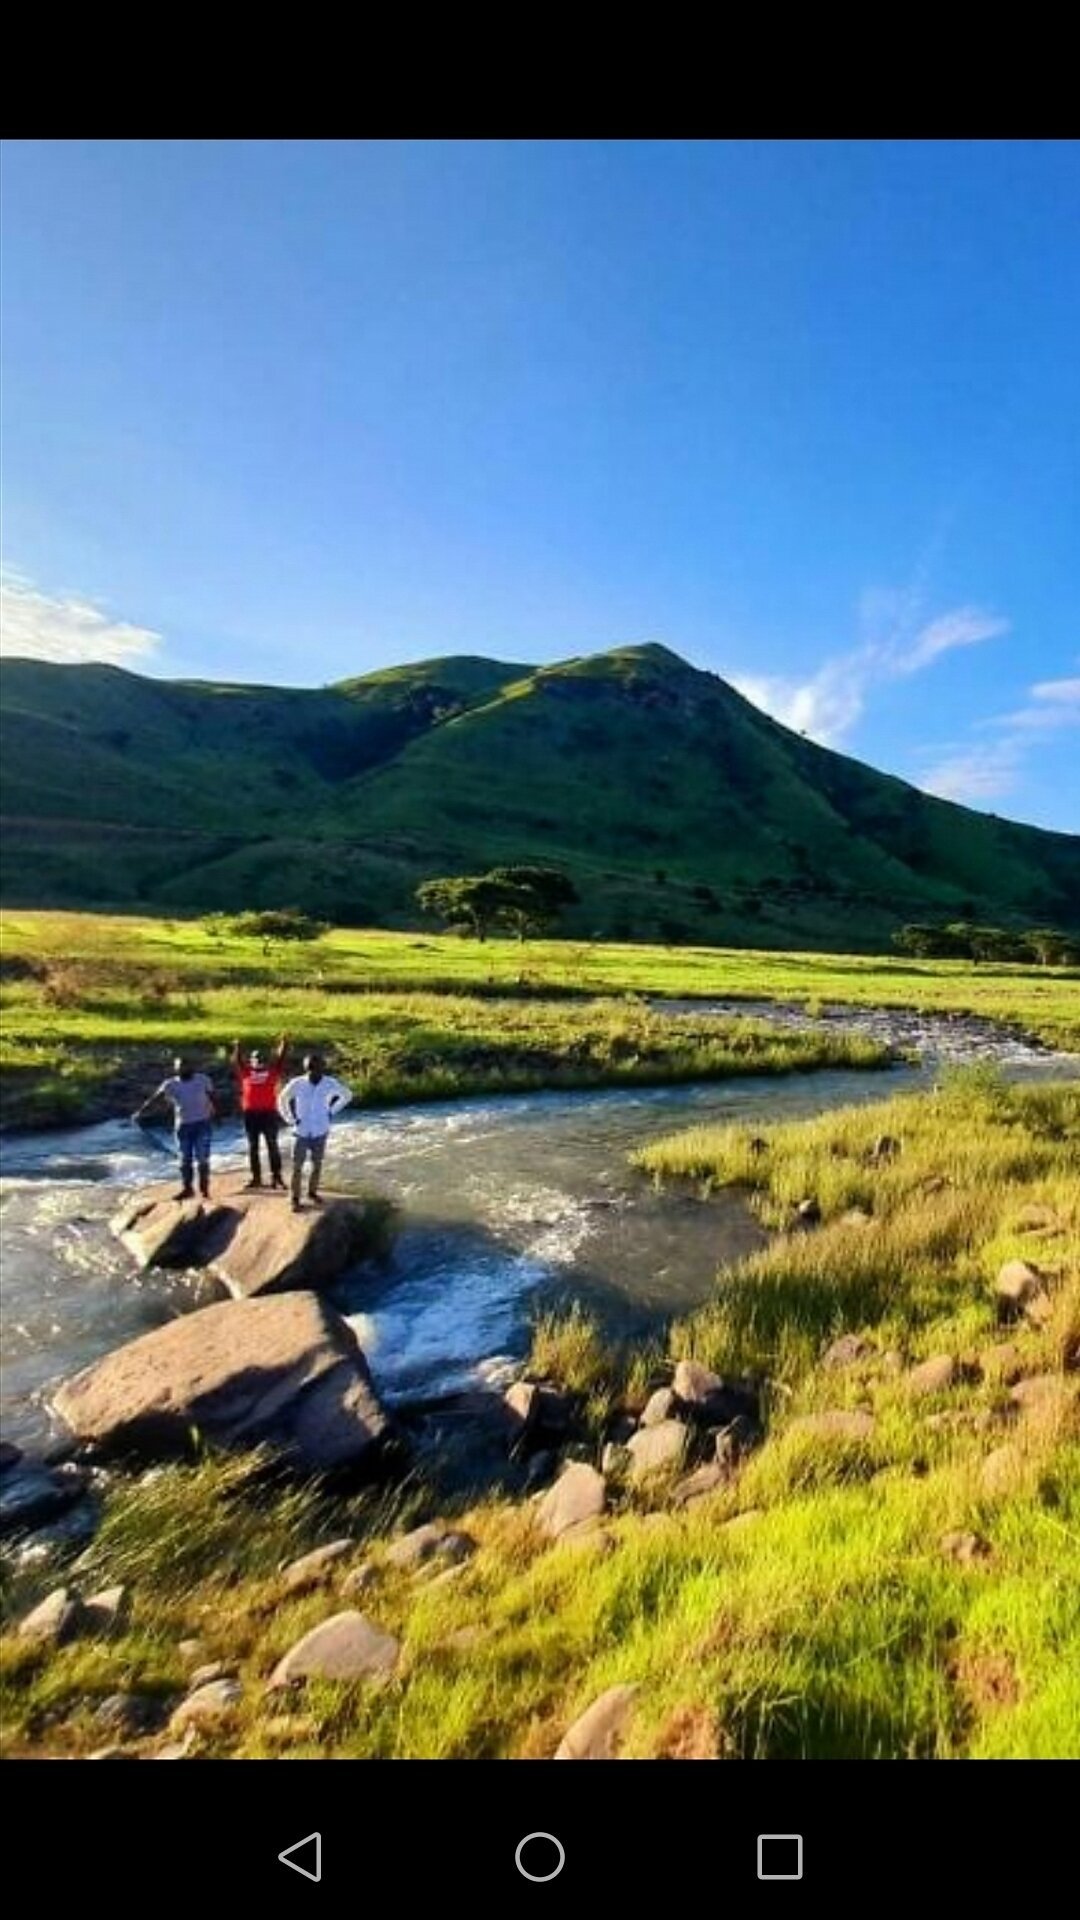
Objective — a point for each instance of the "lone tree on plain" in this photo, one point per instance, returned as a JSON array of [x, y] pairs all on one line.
[[276, 925], [525, 900]]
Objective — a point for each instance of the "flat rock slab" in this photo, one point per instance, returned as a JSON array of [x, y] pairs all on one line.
[[252, 1242], [285, 1370]]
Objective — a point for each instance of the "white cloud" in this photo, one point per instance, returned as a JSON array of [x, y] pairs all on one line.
[[43, 626], [988, 770], [979, 773], [964, 627], [827, 704]]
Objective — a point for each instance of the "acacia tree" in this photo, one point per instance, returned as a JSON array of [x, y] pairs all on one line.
[[527, 900], [275, 925], [471, 901], [534, 897]]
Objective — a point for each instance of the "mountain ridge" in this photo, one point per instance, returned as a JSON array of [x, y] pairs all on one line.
[[681, 810]]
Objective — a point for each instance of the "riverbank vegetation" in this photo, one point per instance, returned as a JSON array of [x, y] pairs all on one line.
[[93, 1005], [893, 1572]]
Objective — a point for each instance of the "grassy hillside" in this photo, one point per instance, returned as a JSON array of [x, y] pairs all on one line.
[[681, 812]]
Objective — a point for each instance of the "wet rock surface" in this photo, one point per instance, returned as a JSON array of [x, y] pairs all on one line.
[[250, 1241]]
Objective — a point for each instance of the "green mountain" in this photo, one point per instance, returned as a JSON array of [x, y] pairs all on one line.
[[680, 811]]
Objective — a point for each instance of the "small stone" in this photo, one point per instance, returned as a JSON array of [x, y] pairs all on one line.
[[1036, 1219], [847, 1351], [213, 1670], [856, 1217], [209, 1704], [360, 1580], [594, 1735], [316, 1568], [126, 1713], [935, 1375], [732, 1442], [412, 1549], [455, 1548], [578, 1494], [589, 1536], [1017, 1285], [177, 1750], [189, 1650], [522, 1403], [346, 1647], [1003, 1362], [965, 1547], [105, 1610], [699, 1484], [659, 1449], [742, 1522], [659, 1406], [838, 1423], [885, 1147], [465, 1639], [706, 1397], [446, 1577], [1001, 1470], [808, 1213], [1044, 1395], [55, 1619]]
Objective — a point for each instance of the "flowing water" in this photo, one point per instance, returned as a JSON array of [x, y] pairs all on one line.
[[507, 1205]]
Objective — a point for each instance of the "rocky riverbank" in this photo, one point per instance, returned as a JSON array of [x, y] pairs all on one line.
[[850, 1535]]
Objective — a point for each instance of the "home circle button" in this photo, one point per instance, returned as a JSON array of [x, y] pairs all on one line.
[[540, 1856]]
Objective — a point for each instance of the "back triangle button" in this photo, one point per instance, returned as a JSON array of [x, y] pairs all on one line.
[[312, 1868]]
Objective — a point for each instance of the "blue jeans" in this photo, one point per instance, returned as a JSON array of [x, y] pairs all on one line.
[[193, 1138]]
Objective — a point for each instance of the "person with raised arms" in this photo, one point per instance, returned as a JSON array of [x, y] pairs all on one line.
[[259, 1081]]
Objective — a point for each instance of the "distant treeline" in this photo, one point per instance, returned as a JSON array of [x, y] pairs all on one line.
[[963, 940]]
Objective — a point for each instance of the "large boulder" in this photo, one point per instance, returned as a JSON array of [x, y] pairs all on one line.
[[285, 1370], [252, 1242]]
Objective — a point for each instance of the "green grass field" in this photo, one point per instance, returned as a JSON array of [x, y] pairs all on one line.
[[93, 1006], [811, 1608]]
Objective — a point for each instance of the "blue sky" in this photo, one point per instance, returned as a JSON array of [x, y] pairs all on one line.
[[808, 413]]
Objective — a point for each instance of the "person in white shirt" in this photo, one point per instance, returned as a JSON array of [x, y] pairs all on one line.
[[308, 1103]]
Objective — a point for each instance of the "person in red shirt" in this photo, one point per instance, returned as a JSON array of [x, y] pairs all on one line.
[[260, 1081]]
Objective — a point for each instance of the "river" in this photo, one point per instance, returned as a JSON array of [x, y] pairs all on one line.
[[507, 1205]]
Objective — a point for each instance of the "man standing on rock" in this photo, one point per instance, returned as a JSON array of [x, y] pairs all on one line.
[[191, 1096], [309, 1103], [260, 1081]]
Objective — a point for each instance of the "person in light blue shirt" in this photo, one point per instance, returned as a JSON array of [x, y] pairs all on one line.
[[191, 1096]]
